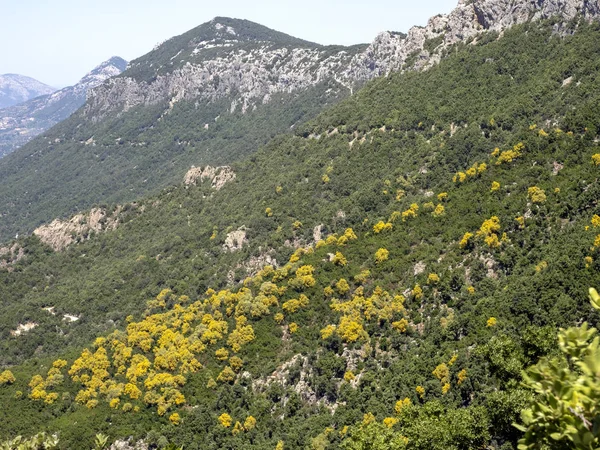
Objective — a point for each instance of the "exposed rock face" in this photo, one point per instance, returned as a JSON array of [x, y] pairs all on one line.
[[60, 234], [10, 255], [256, 263], [419, 268], [254, 75], [129, 444], [318, 233], [301, 386], [218, 176], [24, 328], [21, 123], [235, 240], [391, 51]]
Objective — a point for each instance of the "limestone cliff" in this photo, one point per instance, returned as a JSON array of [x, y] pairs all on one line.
[[251, 74]]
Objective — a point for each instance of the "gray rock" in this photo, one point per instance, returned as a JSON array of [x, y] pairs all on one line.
[[251, 76]]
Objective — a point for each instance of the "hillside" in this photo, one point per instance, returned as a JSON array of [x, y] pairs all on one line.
[[16, 89], [401, 257], [21, 123], [213, 96], [136, 137]]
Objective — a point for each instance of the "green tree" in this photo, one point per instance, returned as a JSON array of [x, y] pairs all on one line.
[[566, 410]]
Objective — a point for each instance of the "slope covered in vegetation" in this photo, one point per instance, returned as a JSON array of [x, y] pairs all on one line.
[[210, 96], [456, 230]]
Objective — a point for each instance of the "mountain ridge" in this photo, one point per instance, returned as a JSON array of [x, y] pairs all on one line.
[[391, 267], [196, 110], [16, 88], [21, 123]]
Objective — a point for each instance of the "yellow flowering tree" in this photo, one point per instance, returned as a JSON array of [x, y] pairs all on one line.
[[381, 255]]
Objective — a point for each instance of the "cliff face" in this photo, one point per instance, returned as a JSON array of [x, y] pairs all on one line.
[[393, 51], [223, 60], [61, 233], [251, 75]]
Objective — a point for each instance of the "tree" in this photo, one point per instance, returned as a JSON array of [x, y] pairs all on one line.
[[249, 423], [41, 441], [566, 410], [339, 259], [381, 255], [536, 195], [439, 210], [7, 377], [225, 420]]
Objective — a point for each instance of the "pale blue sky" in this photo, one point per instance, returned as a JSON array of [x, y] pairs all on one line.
[[58, 41]]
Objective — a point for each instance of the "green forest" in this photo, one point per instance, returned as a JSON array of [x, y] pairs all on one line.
[[414, 273], [125, 154]]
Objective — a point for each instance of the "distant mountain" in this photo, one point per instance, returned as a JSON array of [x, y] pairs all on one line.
[[20, 123], [16, 89]]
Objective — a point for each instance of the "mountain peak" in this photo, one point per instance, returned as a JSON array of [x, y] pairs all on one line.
[[116, 61], [246, 31], [15, 88], [109, 68], [219, 36], [20, 123]]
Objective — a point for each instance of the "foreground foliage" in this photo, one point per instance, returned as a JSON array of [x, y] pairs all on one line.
[[565, 412]]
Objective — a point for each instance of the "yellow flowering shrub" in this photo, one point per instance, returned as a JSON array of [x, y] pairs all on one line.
[[536, 195], [381, 255], [225, 420]]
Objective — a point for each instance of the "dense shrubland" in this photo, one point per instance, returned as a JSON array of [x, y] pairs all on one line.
[[459, 232]]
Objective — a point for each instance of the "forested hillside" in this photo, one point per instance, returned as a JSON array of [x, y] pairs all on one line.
[[380, 278], [217, 93], [210, 96]]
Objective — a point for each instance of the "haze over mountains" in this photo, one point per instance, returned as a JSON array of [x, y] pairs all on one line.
[[16, 88], [22, 122], [263, 243]]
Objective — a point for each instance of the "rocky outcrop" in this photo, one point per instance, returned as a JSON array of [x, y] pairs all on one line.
[[23, 328], [423, 45], [11, 255], [254, 264], [250, 76], [301, 384], [218, 176], [129, 444], [60, 234], [235, 240]]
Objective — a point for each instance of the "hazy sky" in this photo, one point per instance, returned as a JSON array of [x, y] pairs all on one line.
[[58, 41]]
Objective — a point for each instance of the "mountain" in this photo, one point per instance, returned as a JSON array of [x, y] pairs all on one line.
[[379, 277], [16, 89], [21, 123], [213, 96]]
